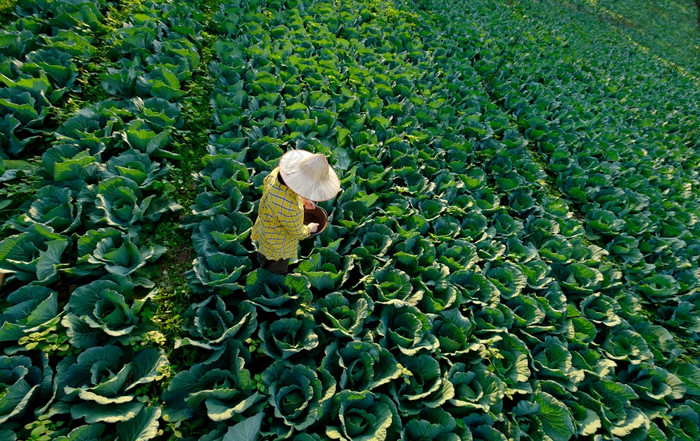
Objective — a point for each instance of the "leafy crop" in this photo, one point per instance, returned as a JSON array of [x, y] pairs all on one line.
[[513, 254]]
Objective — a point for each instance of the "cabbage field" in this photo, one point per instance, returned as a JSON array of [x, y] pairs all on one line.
[[514, 255]]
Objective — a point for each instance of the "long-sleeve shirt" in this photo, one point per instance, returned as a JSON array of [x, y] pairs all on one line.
[[280, 222]]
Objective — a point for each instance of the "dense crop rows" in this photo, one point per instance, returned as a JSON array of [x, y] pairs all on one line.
[[514, 253], [628, 166], [82, 234]]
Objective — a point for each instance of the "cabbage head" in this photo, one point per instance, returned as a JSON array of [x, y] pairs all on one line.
[[286, 337], [435, 424], [326, 269], [222, 233], [120, 203], [111, 251], [211, 323], [276, 293], [54, 207], [476, 388], [391, 286], [426, 386], [512, 363], [454, 333], [363, 416], [217, 273], [342, 317], [361, 365], [135, 166], [300, 396], [406, 329]]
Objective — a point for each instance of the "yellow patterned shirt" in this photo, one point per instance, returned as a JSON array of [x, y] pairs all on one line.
[[280, 222]]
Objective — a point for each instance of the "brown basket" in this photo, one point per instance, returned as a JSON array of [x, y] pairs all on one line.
[[317, 215]]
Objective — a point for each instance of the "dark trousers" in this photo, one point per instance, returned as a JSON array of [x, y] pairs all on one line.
[[276, 266]]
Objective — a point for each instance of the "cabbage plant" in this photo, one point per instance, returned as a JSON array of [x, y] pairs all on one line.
[[546, 415], [101, 382], [222, 233], [54, 207], [56, 64], [361, 365], [391, 286], [220, 388], [476, 388], [454, 333], [300, 396], [438, 293], [218, 272], [139, 135], [71, 166], [210, 323], [276, 293], [120, 203], [286, 337], [98, 313], [426, 386], [136, 166], [414, 251], [435, 424], [407, 329], [34, 255], [109, 250], [341, 317], [363, 416], [326, 269], [23, 381], [31, 309]]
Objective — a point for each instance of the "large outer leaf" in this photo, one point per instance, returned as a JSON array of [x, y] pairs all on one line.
[[141, 428], [246, 430], [555, 417], [89, 432]]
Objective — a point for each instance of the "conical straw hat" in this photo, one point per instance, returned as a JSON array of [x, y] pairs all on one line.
[[309, 175]]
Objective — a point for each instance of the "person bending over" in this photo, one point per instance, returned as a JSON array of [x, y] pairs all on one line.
[[301, 178]]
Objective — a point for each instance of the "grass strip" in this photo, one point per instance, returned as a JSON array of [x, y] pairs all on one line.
[[6, 8], [190, 142]]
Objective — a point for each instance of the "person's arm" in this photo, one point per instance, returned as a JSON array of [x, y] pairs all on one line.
[[293, 222]]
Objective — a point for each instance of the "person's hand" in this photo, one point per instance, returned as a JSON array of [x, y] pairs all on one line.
[[313, 227], [309, 205]]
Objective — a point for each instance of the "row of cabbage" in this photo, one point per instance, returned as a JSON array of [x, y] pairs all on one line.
[[453, 296], [79, 347], [620, 140]]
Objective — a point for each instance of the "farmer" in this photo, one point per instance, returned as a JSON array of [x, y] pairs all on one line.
[[302, 177]]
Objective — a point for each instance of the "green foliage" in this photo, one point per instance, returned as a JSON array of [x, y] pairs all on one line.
[[110, 396], [513, 254]]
